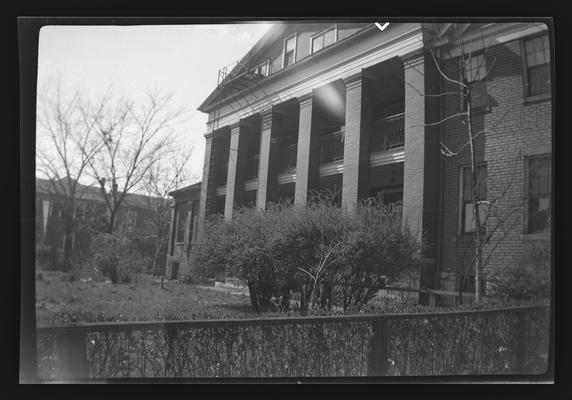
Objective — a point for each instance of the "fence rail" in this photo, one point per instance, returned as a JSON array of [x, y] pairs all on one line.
[[501, 341]]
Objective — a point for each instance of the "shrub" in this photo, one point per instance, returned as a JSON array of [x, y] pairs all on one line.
[[47, 258], [376, 250], [320, 252], [116, 257], [528, 279]]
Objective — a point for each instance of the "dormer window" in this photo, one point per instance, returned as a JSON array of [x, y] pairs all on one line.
[[324, 39], [289, 51]]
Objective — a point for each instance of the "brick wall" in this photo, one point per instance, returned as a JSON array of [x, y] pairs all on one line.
[[515, 130]]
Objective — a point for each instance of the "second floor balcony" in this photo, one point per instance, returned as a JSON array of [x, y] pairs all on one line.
[[332, 147], [388, 133]]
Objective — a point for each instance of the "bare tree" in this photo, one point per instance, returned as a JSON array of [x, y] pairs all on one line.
[[463, 76], [134, 136], [161, 179], [66, 144]]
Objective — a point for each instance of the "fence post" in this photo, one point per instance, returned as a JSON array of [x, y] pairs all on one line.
[[377, 357], [520, 341], [73, 355]]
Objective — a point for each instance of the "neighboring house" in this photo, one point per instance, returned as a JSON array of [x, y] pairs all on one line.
[[184, 229], [91, 212], [316, 106]]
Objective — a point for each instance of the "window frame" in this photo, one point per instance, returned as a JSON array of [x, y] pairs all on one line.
[[131, 224], [525, 80], [320, 33], [295, 36], [185, 212], [527, 159], [462, 216]]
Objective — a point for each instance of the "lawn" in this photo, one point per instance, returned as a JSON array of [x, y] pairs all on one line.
[[143, 300]]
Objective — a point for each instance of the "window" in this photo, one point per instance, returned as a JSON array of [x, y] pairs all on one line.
[[81, 211], [539, 192], [289, 51], [468, 223], [131, 219], [57, 209], [262, 69], [182, 213], [537, 59], [194, 225], [475, 68], [324, 39]]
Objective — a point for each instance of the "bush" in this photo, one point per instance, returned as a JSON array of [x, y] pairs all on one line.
[[319, 252], [376, 251], [116, 257], [528, 279], [47, 258]]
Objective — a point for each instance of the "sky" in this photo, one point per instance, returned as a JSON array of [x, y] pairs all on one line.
[[179, 59]]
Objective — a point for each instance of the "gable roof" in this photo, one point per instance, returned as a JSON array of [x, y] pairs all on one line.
[[187, 189], [227, 88], [92, 193]]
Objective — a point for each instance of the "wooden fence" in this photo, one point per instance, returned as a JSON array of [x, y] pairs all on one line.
[[499, 341]]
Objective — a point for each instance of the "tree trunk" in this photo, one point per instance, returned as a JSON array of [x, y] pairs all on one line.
[[476, 205], [111, 222]]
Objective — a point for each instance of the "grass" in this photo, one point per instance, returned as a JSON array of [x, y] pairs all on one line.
[[143, 300], [59, 301]]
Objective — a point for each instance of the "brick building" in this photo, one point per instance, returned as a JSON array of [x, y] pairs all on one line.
[[341, 106], [91, 214]]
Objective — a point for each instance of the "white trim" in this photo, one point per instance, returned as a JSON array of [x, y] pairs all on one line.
[[251, 184], [387, 157], [332, 168], [221, 190], [286, 177], [295, 36], [320, 33], [401, 45]]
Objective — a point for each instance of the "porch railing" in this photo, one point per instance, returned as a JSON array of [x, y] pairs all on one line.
[[500, 341], [332, 148], [389, 133]]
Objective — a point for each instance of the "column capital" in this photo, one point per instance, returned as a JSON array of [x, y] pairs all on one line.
[[357, 78], [413, 59], [306, 99], [266, 122], [235, 127]]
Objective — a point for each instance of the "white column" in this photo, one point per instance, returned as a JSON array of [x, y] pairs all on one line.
[[264, 160], [414, 163], [303, 162], [232, 176], [356, 152]]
